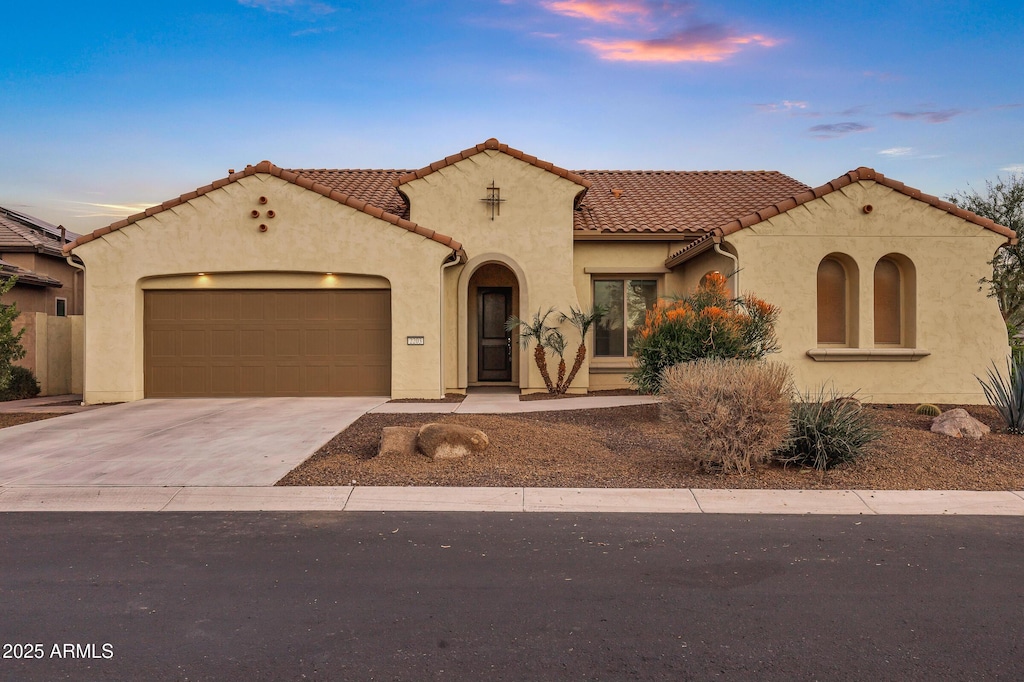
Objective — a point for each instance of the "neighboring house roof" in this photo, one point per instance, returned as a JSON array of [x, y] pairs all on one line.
[[788, 203], [497, 146], [693, 202], [23, 233], [295, 177], [27, 277]]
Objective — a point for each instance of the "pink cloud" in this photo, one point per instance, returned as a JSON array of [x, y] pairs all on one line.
[[693, 45], [600, 11]]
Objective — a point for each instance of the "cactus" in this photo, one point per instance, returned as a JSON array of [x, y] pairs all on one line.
[[928, 409]]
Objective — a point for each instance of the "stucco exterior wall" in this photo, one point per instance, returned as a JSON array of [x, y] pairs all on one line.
[[42, 299], [214, 234], [959, 327], [532, 237]]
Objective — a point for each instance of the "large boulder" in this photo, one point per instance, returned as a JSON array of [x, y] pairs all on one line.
[[958, 423], [398, 441], [450, 441]]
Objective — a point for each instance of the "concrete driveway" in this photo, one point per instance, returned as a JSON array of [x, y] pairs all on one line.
[[201, 442]]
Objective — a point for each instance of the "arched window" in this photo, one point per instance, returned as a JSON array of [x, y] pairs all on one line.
[[833, 285], [888, 303], [895, 301]]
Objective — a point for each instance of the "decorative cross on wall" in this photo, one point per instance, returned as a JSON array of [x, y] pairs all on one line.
[[493, 199]]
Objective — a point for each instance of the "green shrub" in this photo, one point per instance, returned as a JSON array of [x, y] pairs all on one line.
[[22, 385], [707, 323], [828, 431], [928, 410], [1006, 394], [732, 414]]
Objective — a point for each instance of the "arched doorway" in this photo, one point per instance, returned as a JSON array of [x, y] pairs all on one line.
[[491, 297]]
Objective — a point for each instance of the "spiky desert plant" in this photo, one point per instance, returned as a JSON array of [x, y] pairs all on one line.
[[1006, 394], [828, 430], [538, 331], [928, 410]]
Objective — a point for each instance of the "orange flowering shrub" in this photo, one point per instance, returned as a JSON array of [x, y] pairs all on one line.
[[706, 323]]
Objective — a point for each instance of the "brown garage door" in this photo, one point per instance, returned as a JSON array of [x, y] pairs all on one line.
[[216, 343]]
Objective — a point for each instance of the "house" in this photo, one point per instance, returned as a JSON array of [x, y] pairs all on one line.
[[49, 294], [277, 282]]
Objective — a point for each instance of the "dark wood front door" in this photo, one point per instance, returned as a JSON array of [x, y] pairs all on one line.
[[494, 352]]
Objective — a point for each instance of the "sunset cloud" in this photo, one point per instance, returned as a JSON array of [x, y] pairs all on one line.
[[687, 46], [785, 105], [897, 151], [655, 31], [600, 11], [933, 116], [291, 7], [829, 131]]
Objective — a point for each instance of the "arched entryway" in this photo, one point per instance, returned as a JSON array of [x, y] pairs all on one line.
[[491, 297]]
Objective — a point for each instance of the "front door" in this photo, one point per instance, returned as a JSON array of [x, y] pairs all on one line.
[[494, 354]]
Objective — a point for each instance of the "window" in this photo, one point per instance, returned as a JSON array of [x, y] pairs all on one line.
[[626, 302], [888, 303], [61, 307], [832, 302], [895, 301]]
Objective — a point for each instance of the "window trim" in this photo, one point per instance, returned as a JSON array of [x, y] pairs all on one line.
[[56, 306]]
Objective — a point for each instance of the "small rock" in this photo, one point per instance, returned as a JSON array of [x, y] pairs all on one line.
[[958, 423], [450, 441], [398, 440]]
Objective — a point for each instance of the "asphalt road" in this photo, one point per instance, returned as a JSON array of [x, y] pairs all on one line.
[[246, 596]]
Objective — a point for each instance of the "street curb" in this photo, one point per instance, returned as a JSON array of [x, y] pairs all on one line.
[[513, 500]]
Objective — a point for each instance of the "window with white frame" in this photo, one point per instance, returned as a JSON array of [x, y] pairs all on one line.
[[625, 303]]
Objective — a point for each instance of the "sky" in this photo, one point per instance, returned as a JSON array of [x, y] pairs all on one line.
[[107, 108]]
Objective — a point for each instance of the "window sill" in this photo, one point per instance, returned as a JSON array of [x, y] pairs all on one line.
[[867, 354], [611, 365]]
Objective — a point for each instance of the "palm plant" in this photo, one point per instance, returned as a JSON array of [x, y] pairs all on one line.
[[582, 322], [538, 331], [547, 337]]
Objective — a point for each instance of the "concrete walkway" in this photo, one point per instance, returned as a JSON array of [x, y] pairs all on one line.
[[225, 455]]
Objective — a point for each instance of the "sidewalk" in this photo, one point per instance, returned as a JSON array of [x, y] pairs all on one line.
[[510, 500]]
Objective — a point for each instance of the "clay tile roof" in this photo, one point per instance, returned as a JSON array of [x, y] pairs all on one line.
[[674, 202], [344, 187], [857, 175], [862, 173], [497, 146], [27, 276], [19, 232]]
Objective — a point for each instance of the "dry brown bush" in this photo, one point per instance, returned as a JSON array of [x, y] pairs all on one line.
[[733, 414]]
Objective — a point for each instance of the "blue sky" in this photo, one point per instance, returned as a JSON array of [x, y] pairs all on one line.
[[110, 107]]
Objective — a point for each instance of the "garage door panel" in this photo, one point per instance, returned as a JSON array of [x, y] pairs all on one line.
[[272, 343], [252, 343], [195, 343], [224, 343]]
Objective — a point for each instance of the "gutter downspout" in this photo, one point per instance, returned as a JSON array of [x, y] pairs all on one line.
[[81, 267], [453, 259], [735, 264]]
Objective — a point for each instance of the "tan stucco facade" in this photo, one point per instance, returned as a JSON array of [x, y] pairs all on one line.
[[953, 330], [214, 234], [525, 245]]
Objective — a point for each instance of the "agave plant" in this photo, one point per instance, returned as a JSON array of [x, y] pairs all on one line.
[[1006, 394]]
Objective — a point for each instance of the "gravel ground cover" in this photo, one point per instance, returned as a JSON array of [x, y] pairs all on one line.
[[15, 418], [630, 447]]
